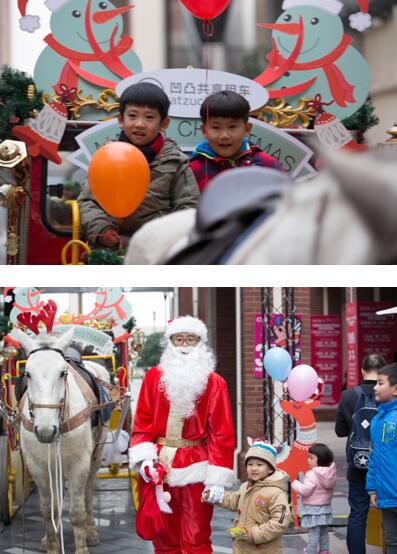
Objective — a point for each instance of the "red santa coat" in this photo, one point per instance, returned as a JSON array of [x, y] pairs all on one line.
[[211, 462]]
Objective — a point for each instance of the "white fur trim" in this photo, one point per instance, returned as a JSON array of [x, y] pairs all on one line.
[[29, 23], [195, 473], [187, 324], [360, 21], [333, 6], [140, 452], [55, 4], [221, 476], [163, 505]]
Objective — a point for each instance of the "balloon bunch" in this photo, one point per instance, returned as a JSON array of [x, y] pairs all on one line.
[[302, 380]]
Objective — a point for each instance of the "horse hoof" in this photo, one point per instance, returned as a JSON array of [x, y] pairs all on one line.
[[49, 549], [82, 551], [93, 540]]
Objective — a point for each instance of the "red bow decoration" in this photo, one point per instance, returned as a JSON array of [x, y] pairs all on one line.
[[317, 104], [46, 315], [67, 94]]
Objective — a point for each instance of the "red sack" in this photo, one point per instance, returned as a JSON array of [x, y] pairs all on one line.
[[150, 521]]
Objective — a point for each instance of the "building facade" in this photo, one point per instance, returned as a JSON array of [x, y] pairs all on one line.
[[232, 317]]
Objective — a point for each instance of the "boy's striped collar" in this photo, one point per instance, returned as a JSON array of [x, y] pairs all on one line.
[[204, 149]]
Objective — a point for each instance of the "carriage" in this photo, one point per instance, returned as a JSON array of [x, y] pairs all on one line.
[[15, 482], [45, 209]]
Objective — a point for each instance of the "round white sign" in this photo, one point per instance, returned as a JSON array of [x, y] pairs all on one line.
[[188, 88]]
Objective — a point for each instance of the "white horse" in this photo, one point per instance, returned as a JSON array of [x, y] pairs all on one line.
[[56, 418], [344, 215]]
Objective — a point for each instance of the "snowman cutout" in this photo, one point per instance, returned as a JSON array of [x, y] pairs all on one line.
[[86, 49], [27, 300], [313, 56], [111, 304]]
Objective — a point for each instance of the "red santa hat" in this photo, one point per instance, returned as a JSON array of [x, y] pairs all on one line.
[[359, 21], [187, 324], [30, 23]]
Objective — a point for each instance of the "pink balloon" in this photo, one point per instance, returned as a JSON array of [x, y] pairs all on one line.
[[302, 382]]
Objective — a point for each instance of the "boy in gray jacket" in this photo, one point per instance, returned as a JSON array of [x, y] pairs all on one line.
[[143, 119]]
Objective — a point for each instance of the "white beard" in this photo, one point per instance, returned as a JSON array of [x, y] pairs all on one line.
[[185, 376]]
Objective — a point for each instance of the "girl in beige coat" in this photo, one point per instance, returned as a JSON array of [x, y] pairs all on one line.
[[261, 504]]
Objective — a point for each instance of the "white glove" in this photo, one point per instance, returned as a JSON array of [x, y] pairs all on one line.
[[146, 470], [215, 494]]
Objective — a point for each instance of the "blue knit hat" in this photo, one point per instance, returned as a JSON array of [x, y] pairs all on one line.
[[261, 450]]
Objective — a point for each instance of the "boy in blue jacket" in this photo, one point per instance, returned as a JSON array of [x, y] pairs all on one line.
[[381, 478]]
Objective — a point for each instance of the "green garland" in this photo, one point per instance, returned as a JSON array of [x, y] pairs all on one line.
[[104, 257], [15, 105], [130, 324], [362, 120], [5, 325]]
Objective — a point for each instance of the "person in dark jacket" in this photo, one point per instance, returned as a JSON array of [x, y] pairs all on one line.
[[358, 496], [143, 119], [225, 126]]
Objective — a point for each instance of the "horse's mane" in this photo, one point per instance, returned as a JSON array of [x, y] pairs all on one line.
[[47, 339]]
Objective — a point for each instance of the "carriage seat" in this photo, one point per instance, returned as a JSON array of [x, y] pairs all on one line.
[[99, 390]]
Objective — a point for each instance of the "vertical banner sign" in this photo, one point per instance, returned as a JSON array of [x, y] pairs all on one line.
[[368, 333], [278, 328], [326, 355], [353, 363]]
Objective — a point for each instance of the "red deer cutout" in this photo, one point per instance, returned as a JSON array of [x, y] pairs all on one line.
[[296, 460]]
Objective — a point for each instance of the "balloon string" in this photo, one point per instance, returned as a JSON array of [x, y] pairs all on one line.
[[208, 31], [208, 28]]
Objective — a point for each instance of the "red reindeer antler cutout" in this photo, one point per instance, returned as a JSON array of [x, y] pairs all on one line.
[[46, 315], [30, 321]]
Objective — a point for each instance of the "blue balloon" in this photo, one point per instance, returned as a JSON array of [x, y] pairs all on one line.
[[278, 363]]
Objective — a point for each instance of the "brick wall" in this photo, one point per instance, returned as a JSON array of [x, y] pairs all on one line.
[[185, 301]]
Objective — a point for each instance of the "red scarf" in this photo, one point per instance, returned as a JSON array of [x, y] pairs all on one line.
[[71, 70], [341, 90]]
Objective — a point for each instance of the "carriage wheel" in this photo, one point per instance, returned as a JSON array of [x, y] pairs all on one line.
[[134, 489], [6, 481]]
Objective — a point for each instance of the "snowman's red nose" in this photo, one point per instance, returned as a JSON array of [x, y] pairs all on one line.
[[288, 28], [104, 17]]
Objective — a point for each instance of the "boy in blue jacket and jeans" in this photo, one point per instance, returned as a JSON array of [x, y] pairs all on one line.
[[381, 479]]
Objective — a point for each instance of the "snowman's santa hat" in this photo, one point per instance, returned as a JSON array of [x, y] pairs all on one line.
[[30, 23], [359, 21], [332, 6]]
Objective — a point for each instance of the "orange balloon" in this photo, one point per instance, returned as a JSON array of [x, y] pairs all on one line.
[[119, 176]]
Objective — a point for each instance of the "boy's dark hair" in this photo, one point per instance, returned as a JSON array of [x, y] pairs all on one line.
[[373, 362], [325, 456], [145, 94], [225, 103], [389, 371]]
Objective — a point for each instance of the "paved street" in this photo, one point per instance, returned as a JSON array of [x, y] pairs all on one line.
[[115, 519]]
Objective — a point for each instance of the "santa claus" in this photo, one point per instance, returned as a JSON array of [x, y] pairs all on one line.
[[183, 421]]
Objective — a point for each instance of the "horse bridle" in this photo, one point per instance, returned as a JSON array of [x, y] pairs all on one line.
[[58, 406]]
